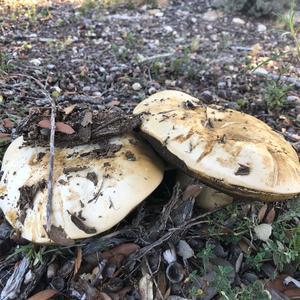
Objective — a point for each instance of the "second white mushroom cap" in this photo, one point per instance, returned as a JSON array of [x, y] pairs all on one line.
[[95, 186], [224, 148]]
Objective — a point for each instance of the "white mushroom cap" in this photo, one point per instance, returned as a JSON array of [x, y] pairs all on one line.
[[99, 191], [226, 149]]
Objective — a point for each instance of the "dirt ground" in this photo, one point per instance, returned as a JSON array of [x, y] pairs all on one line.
[[109, 58]]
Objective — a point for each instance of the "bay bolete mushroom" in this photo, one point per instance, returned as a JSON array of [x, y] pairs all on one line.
[[95, 186], [226, 149]]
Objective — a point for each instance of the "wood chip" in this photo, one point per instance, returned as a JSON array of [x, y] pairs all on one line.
[[69, 109], [78, 260]]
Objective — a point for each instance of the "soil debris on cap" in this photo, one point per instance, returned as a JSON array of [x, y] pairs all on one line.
[[92, 176], [79, 224], [78, 126]]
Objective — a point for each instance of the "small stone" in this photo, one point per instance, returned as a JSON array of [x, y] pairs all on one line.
[[86, 89], [136, 86], [152, 90], [261, 28], [221, 85], [97, 94], [32, 36], [250, 277], [50, 67], [211, 15], [155, 12], [209, 27], [238, 21], [168, 28], [36, 61], [263, 231], [293, 100], [207, 96], [298, 118], [28, 277], [214, 37]]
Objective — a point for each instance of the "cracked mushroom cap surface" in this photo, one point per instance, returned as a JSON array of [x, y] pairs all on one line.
[[226, 149], [94, 187]]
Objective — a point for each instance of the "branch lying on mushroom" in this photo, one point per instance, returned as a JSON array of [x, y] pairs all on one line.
[[226, 149], [76, 125]]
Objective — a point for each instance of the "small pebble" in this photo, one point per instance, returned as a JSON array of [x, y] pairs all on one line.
[[211, 15], [221, 85], [214, 37], [168, 28], [207, 96], [238, 21], [261, 28], [50, 67], [136, 86], [249, 277], [293, 100], [152, 90], [97, 94]]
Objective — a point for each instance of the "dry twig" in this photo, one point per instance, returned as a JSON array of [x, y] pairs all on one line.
[[52, 145]]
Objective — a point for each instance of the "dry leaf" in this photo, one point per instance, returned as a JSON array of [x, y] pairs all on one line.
[[146, 287], [123, 249], [104, 296], [245, 247], [114, 103], [69, 109], [64, 128], [87, 119], [7, 123], [261, 213], [271, 216], [78, 260], [44, 295], [4, 137], [59, 126], [277, 283], [118, 254], [293, 293], [162, 282], [45, 123]]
